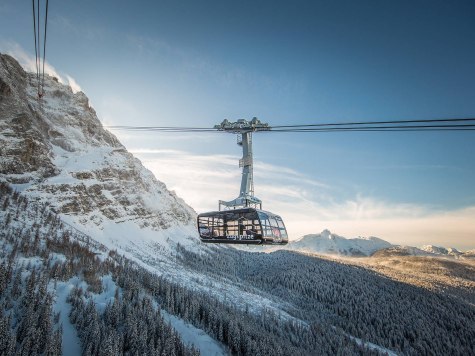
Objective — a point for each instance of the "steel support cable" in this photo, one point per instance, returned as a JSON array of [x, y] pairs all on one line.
[[371, 130], [415, 127], [39, 46], [175, 130], [44, 48], [165, 129], [123, 127], [40, 68], [348, 125], [38, 28], [376, 122], [327, 128], [36, 39], [355, 129]]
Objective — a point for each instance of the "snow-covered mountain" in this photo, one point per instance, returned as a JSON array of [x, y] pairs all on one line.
[[398, 250], [332, 244], [426, 250], [438, 250], [328, 243], [55, 150], [469, 253]]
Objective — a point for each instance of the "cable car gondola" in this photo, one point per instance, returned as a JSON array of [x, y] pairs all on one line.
[[242, 226], [242, 221]]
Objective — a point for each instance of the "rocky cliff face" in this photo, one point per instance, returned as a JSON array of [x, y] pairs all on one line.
[[55, 150]]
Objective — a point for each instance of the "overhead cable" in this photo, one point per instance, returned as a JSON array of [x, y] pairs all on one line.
[[453, 124], [40, 67]]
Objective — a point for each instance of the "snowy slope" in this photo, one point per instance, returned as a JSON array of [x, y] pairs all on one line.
[[41, 237], [328, 243]]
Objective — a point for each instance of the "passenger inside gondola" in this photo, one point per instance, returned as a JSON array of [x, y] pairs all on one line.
[[252, 231], [241, 226]]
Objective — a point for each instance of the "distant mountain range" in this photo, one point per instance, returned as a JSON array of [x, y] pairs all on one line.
[[427, 250], [328, 243], [332, 244]]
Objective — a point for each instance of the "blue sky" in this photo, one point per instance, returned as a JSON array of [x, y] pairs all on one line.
[[179, 63]]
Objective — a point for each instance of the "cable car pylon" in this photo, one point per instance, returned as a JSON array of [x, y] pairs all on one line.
[[245, 129], [242, 220]]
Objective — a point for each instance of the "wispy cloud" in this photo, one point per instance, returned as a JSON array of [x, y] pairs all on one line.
[[399, 167], [28, 62], [266, 170], [194, 64], [73, 84], [87, 31], [152, 46], [114, 108], [454, 228]]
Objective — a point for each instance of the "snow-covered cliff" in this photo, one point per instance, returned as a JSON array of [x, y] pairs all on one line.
[[55, 150]]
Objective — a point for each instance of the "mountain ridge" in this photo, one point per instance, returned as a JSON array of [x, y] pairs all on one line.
[[329, 243]]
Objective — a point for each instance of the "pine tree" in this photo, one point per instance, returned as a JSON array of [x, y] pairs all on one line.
[[3, 277], [5, 204], [55, 345]]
